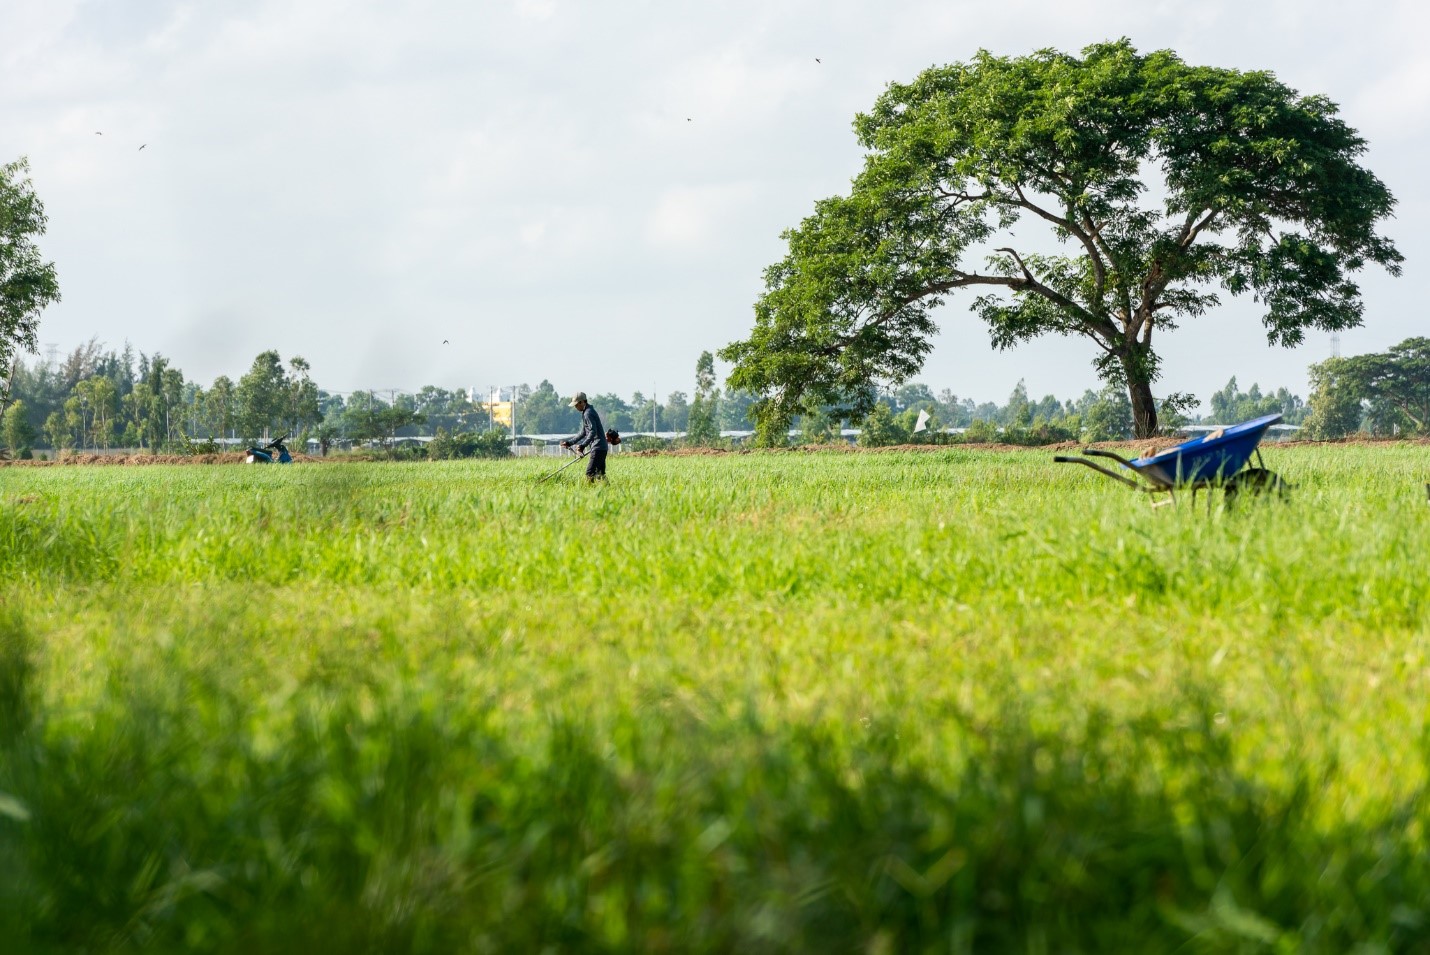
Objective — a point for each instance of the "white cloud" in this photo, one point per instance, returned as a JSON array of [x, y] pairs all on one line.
[[536, 9], [687, 217], [1397, 104]]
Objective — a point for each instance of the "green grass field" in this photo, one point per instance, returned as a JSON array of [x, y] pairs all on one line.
[[956, 701]]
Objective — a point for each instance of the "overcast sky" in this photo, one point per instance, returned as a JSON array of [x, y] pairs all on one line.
[[581, 191]]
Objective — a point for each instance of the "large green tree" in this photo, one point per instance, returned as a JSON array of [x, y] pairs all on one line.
[[27, 282], [1106, 196]]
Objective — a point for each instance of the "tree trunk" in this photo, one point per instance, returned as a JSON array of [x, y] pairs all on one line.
[[1144, 408]]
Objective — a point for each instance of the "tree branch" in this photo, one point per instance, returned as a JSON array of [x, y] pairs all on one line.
[[961, 196], [1094, 324], [1099, 266], [1190, 232], [1158, 278]]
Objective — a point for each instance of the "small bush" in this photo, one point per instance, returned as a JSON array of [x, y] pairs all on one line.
[[447, 446], [982, 432], [645, 442]]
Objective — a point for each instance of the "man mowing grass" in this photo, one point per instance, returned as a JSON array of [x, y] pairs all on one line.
[[592, 436]]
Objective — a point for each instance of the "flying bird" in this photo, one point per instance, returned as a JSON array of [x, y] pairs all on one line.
[[444, 341], [141, 148], [98, 133], [816, 59], [687, 119]]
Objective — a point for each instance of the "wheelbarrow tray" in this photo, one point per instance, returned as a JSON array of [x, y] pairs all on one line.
[[1207, 459]]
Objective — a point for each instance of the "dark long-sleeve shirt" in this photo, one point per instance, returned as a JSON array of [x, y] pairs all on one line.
[[592, 434]]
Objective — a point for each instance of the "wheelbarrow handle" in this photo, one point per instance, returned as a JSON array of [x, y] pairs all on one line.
[[1099, 453], [1060, 459]]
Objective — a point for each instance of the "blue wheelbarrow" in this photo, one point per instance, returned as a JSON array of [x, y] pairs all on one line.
[[1214, 460]]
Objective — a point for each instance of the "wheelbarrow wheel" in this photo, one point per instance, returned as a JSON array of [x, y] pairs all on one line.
[[1255, 482]]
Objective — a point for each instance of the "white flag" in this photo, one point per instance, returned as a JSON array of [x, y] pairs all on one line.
[[923, 422]]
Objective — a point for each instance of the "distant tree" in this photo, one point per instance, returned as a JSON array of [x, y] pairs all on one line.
[[219, 407], [262, 396], [1165, 180], [1336, 407], [646, 414], [1231, 405], [171, 392], [393, 420], [908, 419], [446, 445], [95, 402], [123, 374], [27, 282], [982, 431], [816, 426], [57, 431], [880, 429], [301, 396], [1394, 383], [703, 428], [1019, 411], [1175, 412], [1109, 417], [953, 412], [76, 412], [733, 412], [1048, 408], [911, 395], [545, 412], [447, 409], [361, 416], [19, 434], [325, 432], [614, 412], [676, 412], [141, 412]]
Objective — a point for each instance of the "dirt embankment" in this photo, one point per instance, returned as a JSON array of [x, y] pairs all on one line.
[[230, 457], [1142, 447], [888, 449], [1128, 448]]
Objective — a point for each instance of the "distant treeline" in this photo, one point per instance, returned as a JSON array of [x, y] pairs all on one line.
[[99, 398]]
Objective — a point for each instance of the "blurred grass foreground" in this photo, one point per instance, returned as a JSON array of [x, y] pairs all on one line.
[[961, 701]]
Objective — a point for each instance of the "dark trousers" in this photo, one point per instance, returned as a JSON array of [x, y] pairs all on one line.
[[596, 466]]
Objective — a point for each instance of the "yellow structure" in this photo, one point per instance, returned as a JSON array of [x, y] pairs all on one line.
[[500, 411]]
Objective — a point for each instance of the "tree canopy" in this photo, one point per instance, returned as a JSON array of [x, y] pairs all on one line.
[[1155, 183], [27, 282], [1381, 393]]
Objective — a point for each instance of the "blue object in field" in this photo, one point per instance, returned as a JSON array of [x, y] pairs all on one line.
[[1212, 457], [267, 456], [274, 452]]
